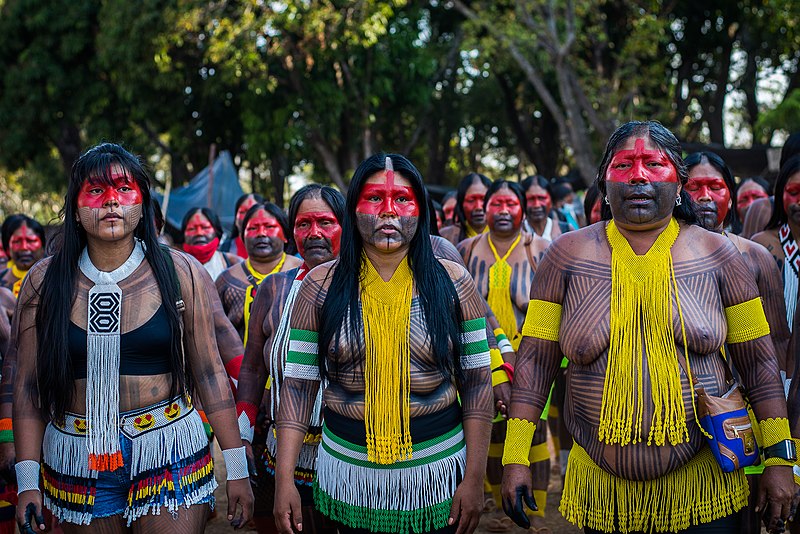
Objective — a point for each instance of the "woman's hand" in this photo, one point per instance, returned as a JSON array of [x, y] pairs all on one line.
[[239, 492], [467, 506], [777, 499], [516, 493], [288, 510], [502, 397], [29, 512]]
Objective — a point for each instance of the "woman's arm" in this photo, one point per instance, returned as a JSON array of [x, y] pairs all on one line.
[[28, 423], [300, 386], [209, 375], [254, 373]]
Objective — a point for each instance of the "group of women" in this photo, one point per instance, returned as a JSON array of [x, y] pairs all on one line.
[[351, 362]]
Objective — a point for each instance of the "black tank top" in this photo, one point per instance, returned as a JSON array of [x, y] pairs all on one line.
[[143, 351]]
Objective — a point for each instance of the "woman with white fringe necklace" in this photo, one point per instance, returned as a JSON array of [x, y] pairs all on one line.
[[112, 340]]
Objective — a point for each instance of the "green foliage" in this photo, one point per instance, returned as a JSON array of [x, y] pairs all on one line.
[[786, 117]]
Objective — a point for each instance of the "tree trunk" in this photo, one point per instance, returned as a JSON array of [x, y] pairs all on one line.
[[68, 145], [279, 170]]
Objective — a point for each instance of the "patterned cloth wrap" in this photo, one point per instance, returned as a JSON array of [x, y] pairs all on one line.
[[159, 434]]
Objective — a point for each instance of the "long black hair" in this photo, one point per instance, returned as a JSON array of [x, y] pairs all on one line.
[[459, 217], [209, 214], [789, 168], [59, 286], [591, 196], [280, 216], [12, 223], [437, 294], [692, 160], [333, 198], [671, 147]]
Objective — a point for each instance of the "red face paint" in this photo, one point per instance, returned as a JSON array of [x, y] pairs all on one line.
[[319, 225], [263, 224], [24, 240], [246, 204], [537, 200], [748, 195], [448, 208], [596, 213], [471, 203], [791, 195], [387, 198], [703, 189], [504, 204], [123, 191], [641, 165], [198, 226]]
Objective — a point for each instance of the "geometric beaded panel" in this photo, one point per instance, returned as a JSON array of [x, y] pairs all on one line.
[[104, 312]]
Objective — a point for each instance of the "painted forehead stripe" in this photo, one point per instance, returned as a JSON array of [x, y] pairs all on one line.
[[389, 172]]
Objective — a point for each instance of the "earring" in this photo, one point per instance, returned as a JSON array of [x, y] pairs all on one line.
[[678, 200], [605, 199]]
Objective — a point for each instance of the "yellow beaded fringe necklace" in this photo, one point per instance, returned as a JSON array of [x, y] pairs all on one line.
[[20, 274], [250, 294], [499, 297], [641, 323], [471, 232], [386, 313]]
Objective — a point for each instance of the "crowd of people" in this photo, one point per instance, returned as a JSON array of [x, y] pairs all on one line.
[[382, 362]]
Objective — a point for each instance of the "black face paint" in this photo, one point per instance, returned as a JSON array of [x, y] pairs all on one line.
[[641, 203], [386, 233], [707, 213]]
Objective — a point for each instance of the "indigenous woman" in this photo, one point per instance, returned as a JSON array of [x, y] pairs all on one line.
[[111, 338], [202, 231], [235, 244], [314, 215], [711, 187], [402, 337], [748, 191], [779, 238], [449, 207], [24, 240], [502, 263], [469, 218], [265, 230], [641, 305], [540, 217]]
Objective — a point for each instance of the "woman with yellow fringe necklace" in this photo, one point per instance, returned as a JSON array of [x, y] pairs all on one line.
[[269, 245], [502, 263], [469, 218], [624, 299], [398, 337]]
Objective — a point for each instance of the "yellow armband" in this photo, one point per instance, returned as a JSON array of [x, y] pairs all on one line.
[[499, 377], [543, 320], [519, 435], [746, 321], [774, 431], [796, 468], [495, 358]]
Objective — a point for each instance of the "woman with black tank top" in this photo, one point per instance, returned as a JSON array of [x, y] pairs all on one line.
[[112, 341]]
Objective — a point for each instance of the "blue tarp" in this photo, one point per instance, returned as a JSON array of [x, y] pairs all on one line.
[[226, 190]]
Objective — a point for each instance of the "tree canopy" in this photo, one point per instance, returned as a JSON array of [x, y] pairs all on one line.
[[508, 87]]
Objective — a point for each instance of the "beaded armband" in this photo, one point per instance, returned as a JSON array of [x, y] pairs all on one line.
[[775, 431], [746, 321], [6, 431], [303, 356], [502, 342], [543, 320], [796, 468], [499, 375], [474, 345], [519, 435]]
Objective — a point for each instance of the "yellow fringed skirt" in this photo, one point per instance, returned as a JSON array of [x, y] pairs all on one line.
[[697, 493]]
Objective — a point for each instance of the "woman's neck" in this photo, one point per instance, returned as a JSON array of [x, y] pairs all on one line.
[[385, 263], [109, 255], [266, 265]]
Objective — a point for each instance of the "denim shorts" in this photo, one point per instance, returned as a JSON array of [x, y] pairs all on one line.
[[166, 479]]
